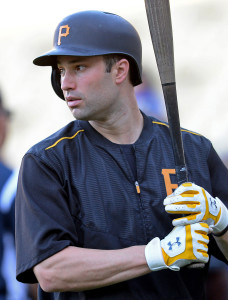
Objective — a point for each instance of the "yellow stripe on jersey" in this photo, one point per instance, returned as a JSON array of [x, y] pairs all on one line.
[[191, 132], [161, 123], [64, 138]]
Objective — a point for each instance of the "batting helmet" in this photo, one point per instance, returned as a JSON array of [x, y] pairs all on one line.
[[91, 33]]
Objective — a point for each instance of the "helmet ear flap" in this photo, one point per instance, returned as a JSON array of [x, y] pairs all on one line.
[[55, 81]]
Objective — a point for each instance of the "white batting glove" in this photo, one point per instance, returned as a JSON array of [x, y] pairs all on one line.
[[198, 205], [182, 246]]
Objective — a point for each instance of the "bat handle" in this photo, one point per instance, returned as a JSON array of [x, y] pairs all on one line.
[[182, 175]]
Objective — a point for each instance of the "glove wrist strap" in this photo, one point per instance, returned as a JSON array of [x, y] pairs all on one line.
[[221, 227], [154, 257], [222, 232]]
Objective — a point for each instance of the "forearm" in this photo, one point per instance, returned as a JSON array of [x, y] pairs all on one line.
[[222, 242], [77, 269]]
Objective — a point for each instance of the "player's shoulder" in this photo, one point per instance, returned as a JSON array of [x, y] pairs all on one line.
[[188, 136], [66, 133]]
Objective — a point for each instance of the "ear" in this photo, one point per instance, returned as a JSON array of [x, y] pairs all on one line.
[[121, 70]]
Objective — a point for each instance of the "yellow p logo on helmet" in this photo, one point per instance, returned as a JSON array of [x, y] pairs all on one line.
[[63, 33]]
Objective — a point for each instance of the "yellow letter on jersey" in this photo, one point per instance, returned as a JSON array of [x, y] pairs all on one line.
[[168, 185], [61, 33]]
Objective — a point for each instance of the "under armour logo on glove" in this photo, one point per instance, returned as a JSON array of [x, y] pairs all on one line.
[[182, 246], [173, 244], [213, 203]]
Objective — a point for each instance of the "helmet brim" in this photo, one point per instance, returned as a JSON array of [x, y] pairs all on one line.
[[50, 58]]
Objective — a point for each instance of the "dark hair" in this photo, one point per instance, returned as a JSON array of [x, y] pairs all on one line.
[[111, 59]]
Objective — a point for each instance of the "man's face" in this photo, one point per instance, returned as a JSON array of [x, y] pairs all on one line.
[[90, 92]]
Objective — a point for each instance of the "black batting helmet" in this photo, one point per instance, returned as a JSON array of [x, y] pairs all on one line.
[[91, 33]]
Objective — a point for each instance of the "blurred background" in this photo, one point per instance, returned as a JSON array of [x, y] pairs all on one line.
[[200, 29], [200, 46]]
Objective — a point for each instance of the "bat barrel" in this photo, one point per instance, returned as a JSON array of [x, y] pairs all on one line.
[[160, 26]]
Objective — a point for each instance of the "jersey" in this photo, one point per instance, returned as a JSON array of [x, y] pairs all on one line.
[[77, 188]]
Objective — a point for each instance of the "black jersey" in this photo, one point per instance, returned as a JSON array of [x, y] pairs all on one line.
[[77, 188]]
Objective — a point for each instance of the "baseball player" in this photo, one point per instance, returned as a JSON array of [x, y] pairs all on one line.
[[98, 211]]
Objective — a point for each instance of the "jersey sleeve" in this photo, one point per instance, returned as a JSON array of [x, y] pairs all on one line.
[[44, 224], [219, 182], [219, 176]]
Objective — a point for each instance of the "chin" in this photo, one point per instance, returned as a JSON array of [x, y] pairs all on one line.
[[79, 116]]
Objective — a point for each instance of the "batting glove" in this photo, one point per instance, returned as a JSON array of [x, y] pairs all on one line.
[[198, 205], [182, 246]]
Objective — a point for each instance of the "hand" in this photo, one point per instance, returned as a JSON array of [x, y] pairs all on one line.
[[182, 246], [198, 205]]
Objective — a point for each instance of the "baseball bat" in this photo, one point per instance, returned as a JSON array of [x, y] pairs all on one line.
[[160, 26]]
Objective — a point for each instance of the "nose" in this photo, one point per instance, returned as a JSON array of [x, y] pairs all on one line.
[[68, 82]]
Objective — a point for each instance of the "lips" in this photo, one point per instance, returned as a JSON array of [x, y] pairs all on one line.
[[73, 102]]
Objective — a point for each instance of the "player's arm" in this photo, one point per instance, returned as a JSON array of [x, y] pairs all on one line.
[[199, 206], [79, 269], [222, 242]]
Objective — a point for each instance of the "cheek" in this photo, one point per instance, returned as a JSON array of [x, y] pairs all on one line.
[[98, 85], [91, 87]]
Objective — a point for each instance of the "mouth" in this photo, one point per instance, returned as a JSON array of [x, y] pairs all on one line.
[[73, 102]]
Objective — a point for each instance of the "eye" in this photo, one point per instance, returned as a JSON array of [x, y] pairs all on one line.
[[61, 71], [79, 68]]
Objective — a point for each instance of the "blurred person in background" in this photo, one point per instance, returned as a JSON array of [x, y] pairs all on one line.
[[10, 289], [149, 100]]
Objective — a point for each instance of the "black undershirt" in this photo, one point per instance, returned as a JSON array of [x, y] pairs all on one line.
[[129, 153]]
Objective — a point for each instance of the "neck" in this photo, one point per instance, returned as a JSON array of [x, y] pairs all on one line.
[[124, 128]]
